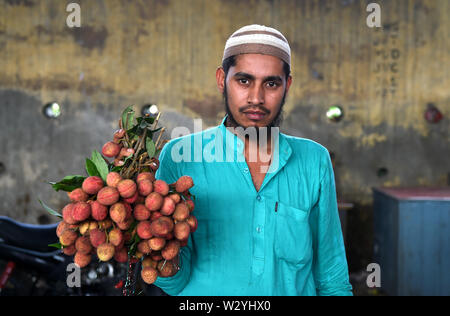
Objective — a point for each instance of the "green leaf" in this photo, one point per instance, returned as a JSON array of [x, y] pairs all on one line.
[[115, 168], [91, 168], [69, 183], [100, 164], [48, 209], [127, 118], [130, 157], [155, 130], [56, 245], [150, 146]]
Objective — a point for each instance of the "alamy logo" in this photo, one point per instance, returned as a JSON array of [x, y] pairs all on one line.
[[217, 147], [374, 18], [74, 18], [374, 278], [74, 277]]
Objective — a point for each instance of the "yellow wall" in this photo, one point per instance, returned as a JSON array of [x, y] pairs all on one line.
[[136, 51]]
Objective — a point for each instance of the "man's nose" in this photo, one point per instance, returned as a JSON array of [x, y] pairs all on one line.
[[256, 95]]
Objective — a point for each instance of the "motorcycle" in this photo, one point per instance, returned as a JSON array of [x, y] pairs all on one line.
[[30, 267]]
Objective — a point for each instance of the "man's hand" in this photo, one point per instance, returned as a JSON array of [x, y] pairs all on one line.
[[170, 267]]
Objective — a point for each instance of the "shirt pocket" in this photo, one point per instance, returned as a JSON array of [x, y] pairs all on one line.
[[292, 234]]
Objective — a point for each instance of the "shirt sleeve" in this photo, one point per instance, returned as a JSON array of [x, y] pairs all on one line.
[[168, 171], [329, 262]]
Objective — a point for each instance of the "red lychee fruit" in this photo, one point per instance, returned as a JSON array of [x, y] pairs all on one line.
[[145, 187], [191, 205], [181, 230], [141, 213], [81, 259], [148, 262], [69, 250], [168, 206], [145, 175], [120, 133], [154, 201], [87, 226], [121, 255], [110, 149], [62, 226], [143, 230], [149, 275], [99, 211], [118, 162], [93, 184], [161, 187], [154, 164], [143, 247], [108, 196], [105, 251], [161, 226], [68, 237], [192, 221], [97, 237], [126, 224], [113, 178], [67, 213], [127, 188], [184, 183], [118, 212], [181, 212], [156, 256], [171, 249], [78, 195], [155, 215], [125, 152], [105, 224], [166, 269], [83, 245], [175, 197], [81, 211], [115, 236], [128, 209], [156, 243], [132, 199]]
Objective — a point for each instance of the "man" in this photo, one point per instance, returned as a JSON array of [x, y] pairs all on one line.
[[267, 213]]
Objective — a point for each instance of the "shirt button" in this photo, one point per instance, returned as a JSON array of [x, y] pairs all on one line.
[[258, 229], [258, 197], [246, 170]]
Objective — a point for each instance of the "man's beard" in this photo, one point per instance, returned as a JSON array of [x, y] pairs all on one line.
[[231, 122]]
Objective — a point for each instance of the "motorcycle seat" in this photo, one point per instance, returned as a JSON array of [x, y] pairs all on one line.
[[28, 236]]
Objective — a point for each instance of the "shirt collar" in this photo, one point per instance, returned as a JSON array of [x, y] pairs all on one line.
[[281, 145]]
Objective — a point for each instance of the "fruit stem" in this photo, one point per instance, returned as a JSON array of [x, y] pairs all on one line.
[[155, 123], [138, 148], [159, 136], [164, 263]]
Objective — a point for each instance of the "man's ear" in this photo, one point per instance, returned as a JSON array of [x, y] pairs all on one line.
[[288, 83], [220, 78]]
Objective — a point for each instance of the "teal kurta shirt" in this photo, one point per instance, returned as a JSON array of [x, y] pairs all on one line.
[[284, 239]]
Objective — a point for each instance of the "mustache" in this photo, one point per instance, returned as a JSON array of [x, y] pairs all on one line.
[[253, 107]]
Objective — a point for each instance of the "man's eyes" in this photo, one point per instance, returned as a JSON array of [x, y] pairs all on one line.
[[270, 84], [243, 81]]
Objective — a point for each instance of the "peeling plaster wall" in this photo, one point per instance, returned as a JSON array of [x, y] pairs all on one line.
[[166, 52]]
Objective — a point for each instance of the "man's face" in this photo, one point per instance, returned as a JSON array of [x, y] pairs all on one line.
[[254, 89]]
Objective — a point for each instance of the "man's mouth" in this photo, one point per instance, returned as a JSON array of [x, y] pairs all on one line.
[[254, 115]]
